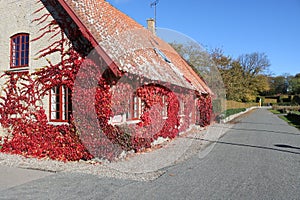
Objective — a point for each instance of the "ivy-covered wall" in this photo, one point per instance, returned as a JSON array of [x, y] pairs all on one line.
[[97, 97]]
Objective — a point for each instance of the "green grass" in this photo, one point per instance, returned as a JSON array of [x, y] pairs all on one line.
[[233, 111], [295, 112], [276, 112], [292, 119]]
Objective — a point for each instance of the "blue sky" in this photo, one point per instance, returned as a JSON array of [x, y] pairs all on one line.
[[237, 26]]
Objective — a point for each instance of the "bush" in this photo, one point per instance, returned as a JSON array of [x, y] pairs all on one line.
[[270, 100], [296, 100], [234, 104], [286, 109], [294, 119]]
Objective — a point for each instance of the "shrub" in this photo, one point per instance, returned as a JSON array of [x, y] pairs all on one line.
[[286, 109], [294, 119], [296, 100]]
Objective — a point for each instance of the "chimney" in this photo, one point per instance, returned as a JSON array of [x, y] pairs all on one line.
[[151, 25]]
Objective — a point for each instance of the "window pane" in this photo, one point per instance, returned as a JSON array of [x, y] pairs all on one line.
[[17, 41], [60, 103], [16, 62], [20, 50]]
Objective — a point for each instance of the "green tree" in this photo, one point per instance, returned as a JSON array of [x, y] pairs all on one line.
[[278, 85], [294, 84], [202, 64], [244, 78], [255, 66], [231, 73]]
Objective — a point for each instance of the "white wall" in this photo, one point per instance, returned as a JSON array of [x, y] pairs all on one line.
[[17, 17]]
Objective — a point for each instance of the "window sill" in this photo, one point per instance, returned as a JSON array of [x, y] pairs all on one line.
[[58, 123], [133, 121], [18, 69]]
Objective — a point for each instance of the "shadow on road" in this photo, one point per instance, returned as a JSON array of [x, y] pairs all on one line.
[[254, 146], [262, 130], [286, 146], [245, 122]]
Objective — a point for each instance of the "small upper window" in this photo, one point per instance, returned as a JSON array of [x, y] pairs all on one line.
[[159, 52], [19, 56]]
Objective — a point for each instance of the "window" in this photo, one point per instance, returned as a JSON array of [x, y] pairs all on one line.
[[60, 104], [159, 52], [19, 56], [136, 108], [165, 107], [181, 107], [197, 113], [194, 113]]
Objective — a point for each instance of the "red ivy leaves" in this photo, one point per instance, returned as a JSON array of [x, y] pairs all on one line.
[[21, 112], [152, 96], [40, 140], [204, 106]]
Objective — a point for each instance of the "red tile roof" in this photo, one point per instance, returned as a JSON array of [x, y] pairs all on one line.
[[131, 47]]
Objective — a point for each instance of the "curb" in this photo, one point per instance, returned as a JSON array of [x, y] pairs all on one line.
[[231, 117]]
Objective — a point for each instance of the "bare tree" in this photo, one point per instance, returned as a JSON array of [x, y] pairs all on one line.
[[254, 64]]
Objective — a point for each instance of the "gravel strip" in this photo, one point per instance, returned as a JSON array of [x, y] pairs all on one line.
[[88, 167], [177, 150]]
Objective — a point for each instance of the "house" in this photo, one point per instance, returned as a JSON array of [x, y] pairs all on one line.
[[94, 65]]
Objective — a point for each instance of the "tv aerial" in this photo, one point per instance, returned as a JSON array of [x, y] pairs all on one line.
[[154, 4]]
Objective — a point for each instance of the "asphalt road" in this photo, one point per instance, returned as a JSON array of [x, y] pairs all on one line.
[[258, 158]]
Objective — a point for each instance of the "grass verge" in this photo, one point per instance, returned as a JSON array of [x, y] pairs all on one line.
[[276, 112], [296, 112], [229, 112], [292, 119]]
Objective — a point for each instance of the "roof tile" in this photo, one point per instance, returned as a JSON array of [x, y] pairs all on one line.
[[132, 47]]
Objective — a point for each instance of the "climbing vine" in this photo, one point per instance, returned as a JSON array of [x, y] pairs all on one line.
[[29, 134], [204, 107]]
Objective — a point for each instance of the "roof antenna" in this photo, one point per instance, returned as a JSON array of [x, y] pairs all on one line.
[[154, 4]]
